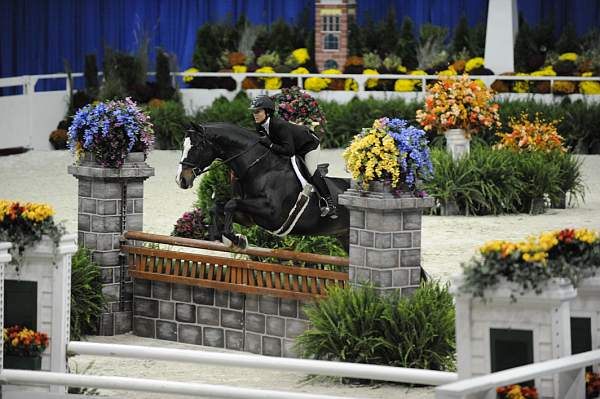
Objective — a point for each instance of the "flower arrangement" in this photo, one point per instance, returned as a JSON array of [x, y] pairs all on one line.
[[409, 84], [58, 138], [568, 57], [371, 83], [590, 87], [270, 83], [299, 107], [474, 63], [458, 103], [527, 135], [316, 84], [239, 68], [191, 225], [389, 150], [21, 341], [568, 253], [111, 130], [592, 385], [24, 224], [188, 78], [301, 55], [516, 392]]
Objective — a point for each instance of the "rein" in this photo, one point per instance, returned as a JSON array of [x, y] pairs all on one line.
[[197, 172]]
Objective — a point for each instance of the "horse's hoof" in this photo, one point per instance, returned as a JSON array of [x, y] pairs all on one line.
[[226, 241]]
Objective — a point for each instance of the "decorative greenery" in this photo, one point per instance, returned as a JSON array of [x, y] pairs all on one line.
[[24, 225], [389, 150], [358, 325], [169, 124], [458, 103], [111, 130], [191, 225], [87, 300], [297, 106], [568, 253], [215, 187], [21, 341], [164, 85]]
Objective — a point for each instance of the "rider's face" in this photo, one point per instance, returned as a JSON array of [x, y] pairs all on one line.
[[259, 115]]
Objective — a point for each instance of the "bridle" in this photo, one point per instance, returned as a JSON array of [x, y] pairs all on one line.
[[197, 171]]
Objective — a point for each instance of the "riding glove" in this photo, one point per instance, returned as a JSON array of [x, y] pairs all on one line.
[[266, 141]]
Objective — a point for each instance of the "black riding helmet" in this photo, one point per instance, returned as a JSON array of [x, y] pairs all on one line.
[[263, 102]]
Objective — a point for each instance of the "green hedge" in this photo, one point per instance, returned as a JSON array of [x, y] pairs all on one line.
[[501, 181], [578, 120], [360, 326]]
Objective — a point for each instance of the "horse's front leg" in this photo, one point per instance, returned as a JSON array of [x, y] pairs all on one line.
[[251, 207]]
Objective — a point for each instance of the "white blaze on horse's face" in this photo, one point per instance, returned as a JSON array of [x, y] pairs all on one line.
[[180, 178]]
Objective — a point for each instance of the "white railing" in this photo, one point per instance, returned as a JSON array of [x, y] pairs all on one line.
[[353, 370], [321, 367], [570, 372]]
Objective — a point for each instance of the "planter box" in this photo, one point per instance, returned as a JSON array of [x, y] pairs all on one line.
[[22, 363], [499, 333]]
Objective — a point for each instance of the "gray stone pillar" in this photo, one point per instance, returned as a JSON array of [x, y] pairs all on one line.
[[385, 239], [100, 207]]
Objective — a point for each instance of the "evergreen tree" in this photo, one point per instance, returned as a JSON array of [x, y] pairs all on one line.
[[281, 38], [407, 45], [355, 44], [543, 36], [388, 34], [370, 37], [524, 46], [91, 75], [568, 42], [163, 75], [461, 39], [477, 40]]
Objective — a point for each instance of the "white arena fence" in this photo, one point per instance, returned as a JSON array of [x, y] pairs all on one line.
[[569, 370], [319, 367], [28, 118]]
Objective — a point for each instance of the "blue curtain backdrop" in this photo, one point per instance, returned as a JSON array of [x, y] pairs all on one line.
[[37, 35]]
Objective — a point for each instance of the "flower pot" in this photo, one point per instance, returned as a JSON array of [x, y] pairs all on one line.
[[560, 202], [450, 208], [457, 144], [379, 186], [22, 363], [537, 206]]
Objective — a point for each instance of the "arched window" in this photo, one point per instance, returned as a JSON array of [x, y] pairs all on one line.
[[331, 42], [331, 64]]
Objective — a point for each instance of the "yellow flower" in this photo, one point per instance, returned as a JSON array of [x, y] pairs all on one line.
[[589, 87], [270, 83], [568, 57], [300, 71], [521, 86], [301, 55], [547, 71], [371, 82], [587, 236], [474, 63], [188, 78], [350, 85], [447, 72], [316, 84], [239, 68], [401, 69]]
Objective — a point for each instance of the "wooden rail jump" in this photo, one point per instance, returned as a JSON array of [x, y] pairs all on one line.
[[233, 274]]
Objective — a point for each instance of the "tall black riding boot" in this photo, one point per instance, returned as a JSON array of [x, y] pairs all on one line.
[[331, 209]]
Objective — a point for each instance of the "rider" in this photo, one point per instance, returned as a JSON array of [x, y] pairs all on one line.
[[289, 139]]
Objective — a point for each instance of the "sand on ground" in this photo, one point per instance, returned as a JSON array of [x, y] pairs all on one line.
[[41, 176]]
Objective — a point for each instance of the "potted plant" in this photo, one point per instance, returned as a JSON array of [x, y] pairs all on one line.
[[516, 391], [58, 138], [25, 224], [390, 154], [109, 131], [458, 107], [297, 106], [531, 266], [23, 348]]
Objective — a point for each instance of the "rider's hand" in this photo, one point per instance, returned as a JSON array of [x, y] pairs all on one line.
[[266, 141]]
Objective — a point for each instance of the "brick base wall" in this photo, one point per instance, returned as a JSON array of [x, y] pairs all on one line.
[[263, 325]]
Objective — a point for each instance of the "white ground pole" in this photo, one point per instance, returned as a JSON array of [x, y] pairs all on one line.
[[501, 32]]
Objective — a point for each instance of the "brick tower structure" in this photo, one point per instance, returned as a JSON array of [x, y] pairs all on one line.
[[331, 32]]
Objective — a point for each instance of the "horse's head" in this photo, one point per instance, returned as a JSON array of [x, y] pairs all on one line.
[[198, 153]]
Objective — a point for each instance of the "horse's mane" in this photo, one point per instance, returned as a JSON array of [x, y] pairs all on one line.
[[230, 132]]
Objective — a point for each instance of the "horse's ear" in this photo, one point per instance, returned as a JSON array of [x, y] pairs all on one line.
[[195, 127]]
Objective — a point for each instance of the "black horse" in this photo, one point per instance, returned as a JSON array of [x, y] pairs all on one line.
[[268, 186]]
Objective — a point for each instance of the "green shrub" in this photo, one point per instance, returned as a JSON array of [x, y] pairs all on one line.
[[539, 177], [170, 123], [223, 110], [420, 330], [570, 178], [87, 301], [358, 325], [214, 187], [345, 326]]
